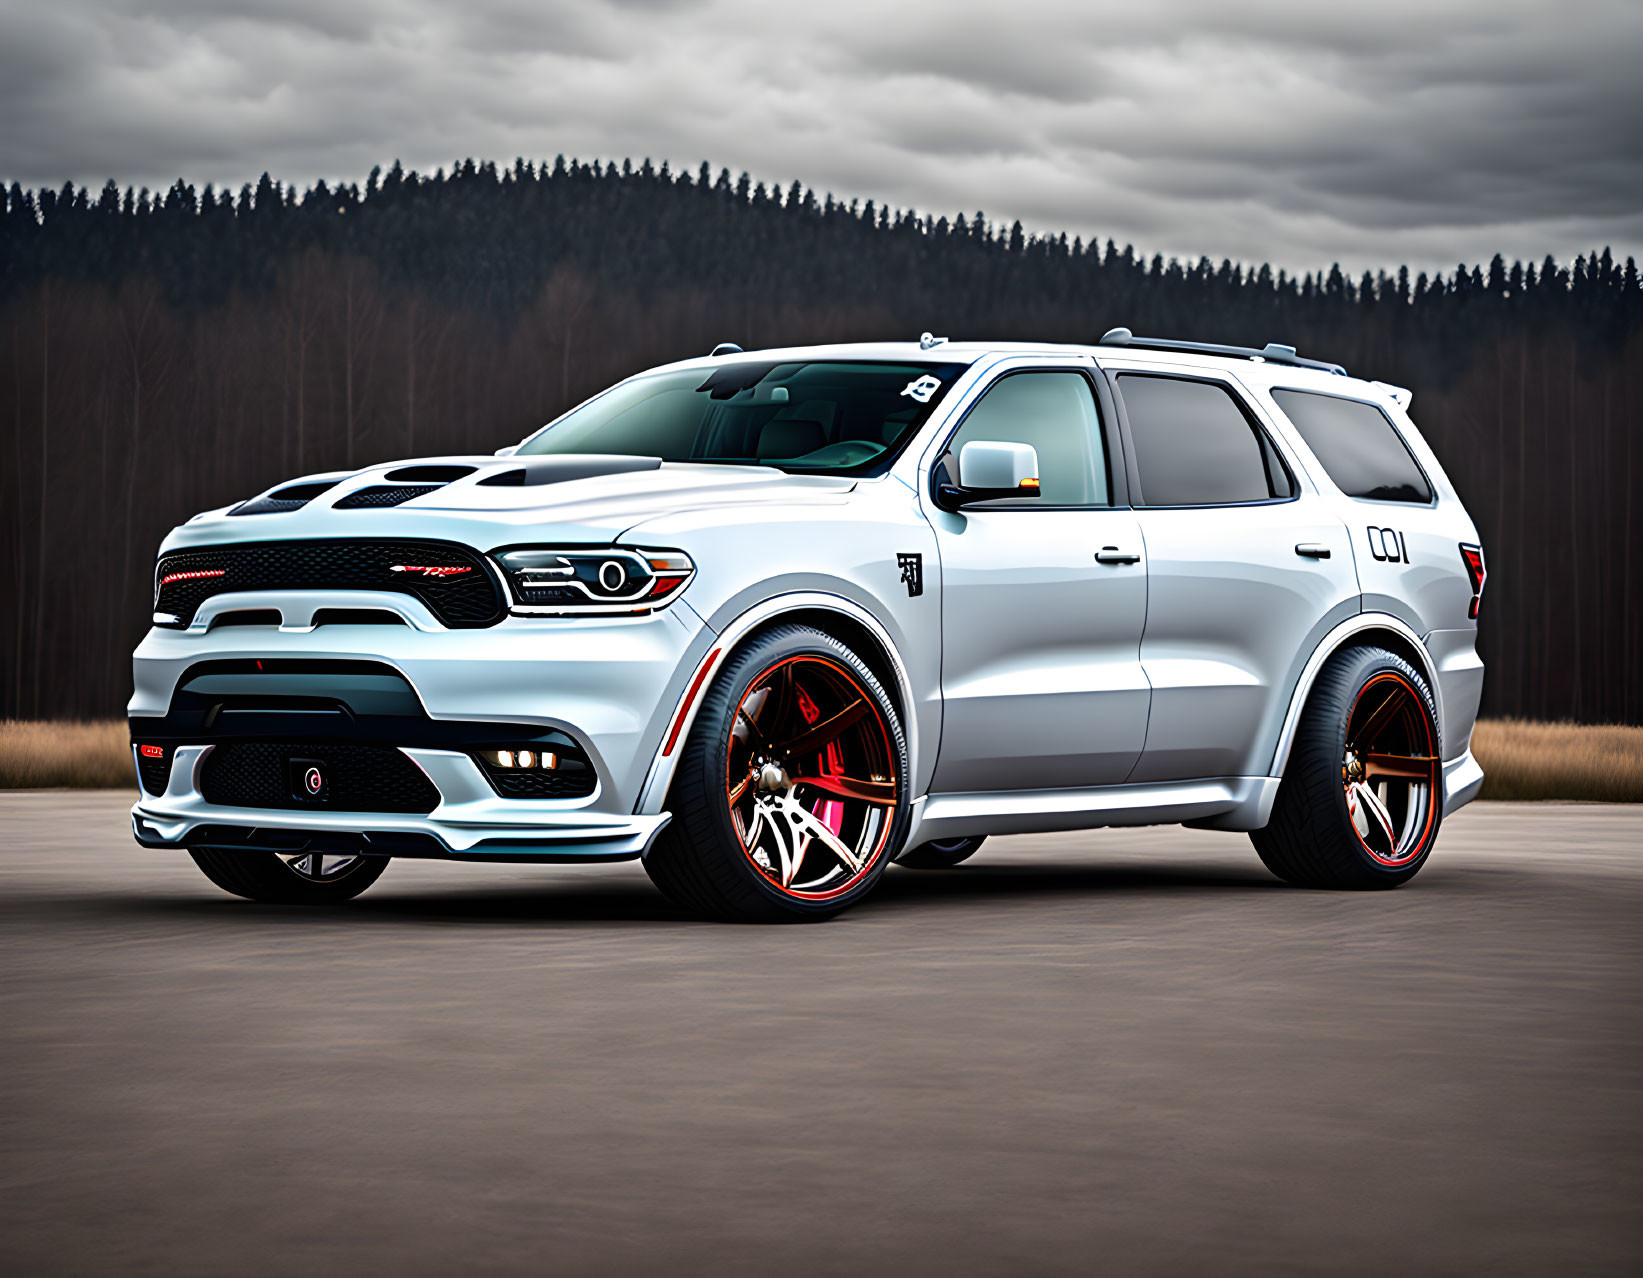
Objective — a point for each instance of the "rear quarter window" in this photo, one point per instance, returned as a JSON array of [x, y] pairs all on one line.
[[1358, 445]]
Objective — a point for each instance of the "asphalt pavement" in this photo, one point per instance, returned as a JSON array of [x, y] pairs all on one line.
[[1128, 1051]]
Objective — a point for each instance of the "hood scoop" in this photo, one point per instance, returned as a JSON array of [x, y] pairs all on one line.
[[383, 495], [565, 467], [410, 482], [429, 474], [290, 497]]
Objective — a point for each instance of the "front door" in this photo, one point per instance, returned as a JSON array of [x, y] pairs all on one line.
[[1043, 601]]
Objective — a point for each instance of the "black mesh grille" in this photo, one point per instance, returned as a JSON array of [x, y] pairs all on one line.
[[463, 598], [384, 495], [360, 778], [155, 773], [572, 779]]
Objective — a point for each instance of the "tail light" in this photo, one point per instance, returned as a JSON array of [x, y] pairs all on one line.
[[1472, 557]]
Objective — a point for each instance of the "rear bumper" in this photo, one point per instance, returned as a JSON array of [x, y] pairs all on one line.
[[1462, 779], [471, 822]]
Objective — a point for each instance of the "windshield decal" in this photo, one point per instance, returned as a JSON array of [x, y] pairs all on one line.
[[922, 389]]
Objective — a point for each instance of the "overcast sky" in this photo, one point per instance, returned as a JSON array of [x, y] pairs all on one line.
[[1295, 132]]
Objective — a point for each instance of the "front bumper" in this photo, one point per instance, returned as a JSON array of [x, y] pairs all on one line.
[[470, 822], [609, 685]]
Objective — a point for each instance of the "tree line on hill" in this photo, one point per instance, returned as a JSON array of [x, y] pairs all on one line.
[[162, 354]]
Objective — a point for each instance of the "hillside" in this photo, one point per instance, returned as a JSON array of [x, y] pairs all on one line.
[[165, 354]]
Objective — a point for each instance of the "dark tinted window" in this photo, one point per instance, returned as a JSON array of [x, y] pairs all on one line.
[[1055, 413], [831, 417], [1195, 447], [1357, 444]]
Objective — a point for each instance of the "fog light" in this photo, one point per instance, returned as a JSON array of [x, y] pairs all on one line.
[[527, 759], [549, 759], [504, 758]]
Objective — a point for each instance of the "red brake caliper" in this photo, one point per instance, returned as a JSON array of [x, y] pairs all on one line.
[[830, 812]]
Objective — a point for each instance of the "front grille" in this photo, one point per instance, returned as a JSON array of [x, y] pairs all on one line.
[[572, 779], [255, 774], [384, 495], [154, 773], [462, 599]]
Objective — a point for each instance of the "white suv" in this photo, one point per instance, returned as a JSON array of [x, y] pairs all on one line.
[[771, 620]]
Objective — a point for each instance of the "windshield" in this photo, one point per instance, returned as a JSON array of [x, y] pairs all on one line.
[[818, 417]]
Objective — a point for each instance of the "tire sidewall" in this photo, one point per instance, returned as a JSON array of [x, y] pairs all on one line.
[[1343, 681], [701, 767]]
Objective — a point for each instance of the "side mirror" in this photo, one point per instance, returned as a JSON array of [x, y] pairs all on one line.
[[509, 451], [987, 470]]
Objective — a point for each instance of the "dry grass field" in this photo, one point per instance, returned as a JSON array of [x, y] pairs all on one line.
[[1522, 760], [1526, 760], [39, 755]]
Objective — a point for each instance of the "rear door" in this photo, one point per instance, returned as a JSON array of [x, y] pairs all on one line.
[[1248, 567], [1043, 599]]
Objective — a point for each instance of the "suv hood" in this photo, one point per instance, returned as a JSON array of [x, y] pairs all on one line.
[[493, 501]]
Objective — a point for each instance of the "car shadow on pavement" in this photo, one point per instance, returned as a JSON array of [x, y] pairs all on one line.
[[634, 900]]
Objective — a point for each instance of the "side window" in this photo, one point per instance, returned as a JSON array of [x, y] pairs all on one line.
[[1358, 445], [1055, 413], [1194, 445]]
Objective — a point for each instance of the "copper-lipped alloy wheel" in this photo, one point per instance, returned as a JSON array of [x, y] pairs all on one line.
[[1361, 797], [810, 777], [1390, 769]]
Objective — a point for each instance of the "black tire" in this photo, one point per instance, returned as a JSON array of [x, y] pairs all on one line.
[[701, 860], [1311, 839], [941, 854], [263, 876]]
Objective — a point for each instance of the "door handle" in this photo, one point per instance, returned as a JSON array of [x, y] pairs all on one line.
[[1312, 550], [1113, 555]]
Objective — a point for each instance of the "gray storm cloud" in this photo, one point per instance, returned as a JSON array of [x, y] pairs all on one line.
[[1294, 133]]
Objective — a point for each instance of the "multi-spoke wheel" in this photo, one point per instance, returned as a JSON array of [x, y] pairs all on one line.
[[1362, 796], [306, 878], [791, 791]]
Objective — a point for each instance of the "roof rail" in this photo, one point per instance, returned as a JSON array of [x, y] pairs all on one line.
[[1272, 352]]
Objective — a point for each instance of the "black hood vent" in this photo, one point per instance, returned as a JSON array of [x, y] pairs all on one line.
[[384, 495], [291, 497], [567, 466], [429, 474]]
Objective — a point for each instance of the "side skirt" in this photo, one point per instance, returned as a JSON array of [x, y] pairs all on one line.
[[1226, 803]]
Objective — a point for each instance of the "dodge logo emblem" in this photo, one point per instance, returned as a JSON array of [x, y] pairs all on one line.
[[428, 570]]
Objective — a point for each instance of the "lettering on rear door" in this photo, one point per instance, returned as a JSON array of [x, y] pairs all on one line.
[[1387, 545]]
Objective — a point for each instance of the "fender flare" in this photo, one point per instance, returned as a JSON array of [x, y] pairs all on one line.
[[1327, 647], [660, 774]]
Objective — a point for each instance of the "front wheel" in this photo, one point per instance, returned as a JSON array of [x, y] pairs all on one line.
[[791, 793], [1362, 795], [311, 878]]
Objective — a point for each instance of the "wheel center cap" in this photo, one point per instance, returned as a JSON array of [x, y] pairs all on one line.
[[773, 779]]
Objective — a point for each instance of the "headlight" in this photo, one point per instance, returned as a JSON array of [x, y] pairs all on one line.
[[545, 580]]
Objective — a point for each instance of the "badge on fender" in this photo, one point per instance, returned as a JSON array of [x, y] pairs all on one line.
[[912, 572]]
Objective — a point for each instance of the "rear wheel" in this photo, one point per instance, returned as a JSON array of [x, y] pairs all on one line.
[[1362, 795], [791, 791], [941, 854], [308, 878]]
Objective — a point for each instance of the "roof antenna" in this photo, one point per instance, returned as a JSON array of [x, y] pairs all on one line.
[[724, 348], [928, 341], [1116, 337]]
